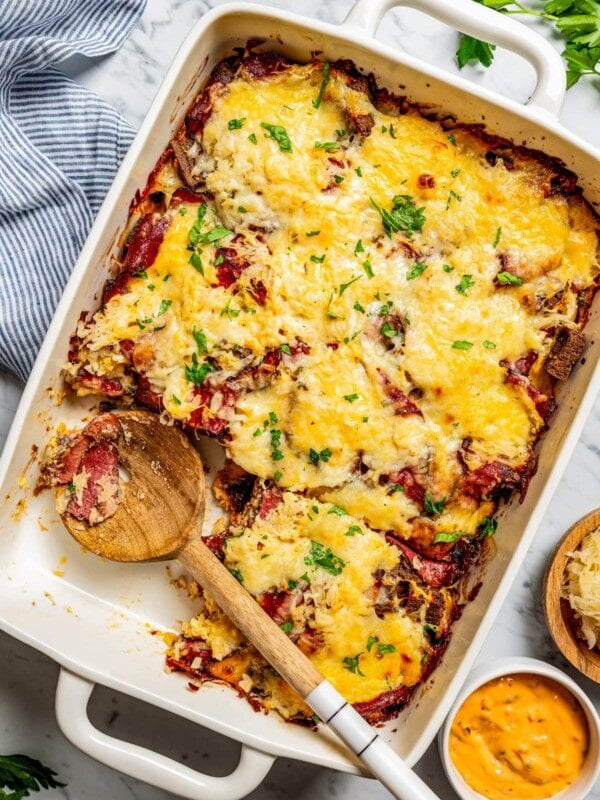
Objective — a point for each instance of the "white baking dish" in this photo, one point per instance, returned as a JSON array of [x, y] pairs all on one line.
[[95, 619]]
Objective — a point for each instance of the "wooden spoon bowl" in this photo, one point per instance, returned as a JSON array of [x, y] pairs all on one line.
[[561, 620]]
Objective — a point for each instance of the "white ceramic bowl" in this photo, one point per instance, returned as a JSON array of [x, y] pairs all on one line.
[[580, 788]]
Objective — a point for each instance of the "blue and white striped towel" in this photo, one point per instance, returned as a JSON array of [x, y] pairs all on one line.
[[60, 147]]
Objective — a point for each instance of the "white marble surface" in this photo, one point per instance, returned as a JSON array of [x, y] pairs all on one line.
[[129, 79]]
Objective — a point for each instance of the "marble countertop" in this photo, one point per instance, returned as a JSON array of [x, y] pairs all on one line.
[[28, 679]]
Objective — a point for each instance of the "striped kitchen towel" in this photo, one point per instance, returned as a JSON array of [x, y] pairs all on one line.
[[60, 147]]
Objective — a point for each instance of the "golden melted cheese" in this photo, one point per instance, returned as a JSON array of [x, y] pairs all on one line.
[[330, 271], [338, 601], [365, 319]]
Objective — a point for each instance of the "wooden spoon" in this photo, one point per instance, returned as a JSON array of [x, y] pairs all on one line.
[[160, 517], [562, 623]]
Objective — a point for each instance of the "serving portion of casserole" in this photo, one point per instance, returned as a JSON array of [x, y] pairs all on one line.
[[369, 308]]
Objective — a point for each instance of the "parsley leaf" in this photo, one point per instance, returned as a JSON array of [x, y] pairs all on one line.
[[279, 134], [508, 279], [320, 556], [473, 50], [22, 774], [197, 373], [325, 80], [431, 507], [488, 526], [236, 124], [449, 537], [417, 270], [351, 663], [466, 282], [329, 147], [404, 215], [462, 344], [315, 457]]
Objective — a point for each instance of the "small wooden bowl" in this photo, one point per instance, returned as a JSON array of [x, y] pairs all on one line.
[[560, 618]]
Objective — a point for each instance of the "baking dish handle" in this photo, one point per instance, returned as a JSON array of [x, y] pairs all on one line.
[[490, 26], [72, 695]]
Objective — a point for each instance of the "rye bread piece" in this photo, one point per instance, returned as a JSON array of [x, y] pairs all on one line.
[[566, 352]]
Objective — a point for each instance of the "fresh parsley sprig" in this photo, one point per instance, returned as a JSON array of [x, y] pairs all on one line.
[[21, 774], [576, 21]]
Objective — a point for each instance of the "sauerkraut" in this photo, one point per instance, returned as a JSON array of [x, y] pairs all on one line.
[[582, 587]]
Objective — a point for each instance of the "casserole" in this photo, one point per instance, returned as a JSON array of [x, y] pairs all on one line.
[[94, 590]]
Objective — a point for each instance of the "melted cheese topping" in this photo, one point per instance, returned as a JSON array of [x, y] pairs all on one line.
[[393, 345], [333, 278], [306, 542]]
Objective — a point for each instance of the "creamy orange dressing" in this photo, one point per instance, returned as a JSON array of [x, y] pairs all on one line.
[[521, 736]]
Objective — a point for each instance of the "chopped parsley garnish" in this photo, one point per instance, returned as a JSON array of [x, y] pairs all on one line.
[[359, 247], [452, 139], [338, 178], [382, 649], [329, 147], [164, 306], [454, 172], [404, 215], [320, 556], [498, 235], [197, 373], [508, 279], [392, 132], [466, 282], [344, 286], [315, 456], [252, 138], [462, 344], [370, 642], [488, 526], [175, 399], [286, 627], [313, 233], [351, 397], [279, 134], [339, 512], [317, 259], [277, 476], [285, 348], [354, 529], [357, 307], [200, 339], [183, 211], [236, 124], [72, 488], [242, 210], [452, 196], [273, 418], [325, 80], [387, 330], [276, 453], [194, 239], [230, 312], [236, 574], [351, 663], [417, 270], [368, 269], [432, 507], [449, 537], [448, 268], [214, 234], [358, 171], [488, 345]]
